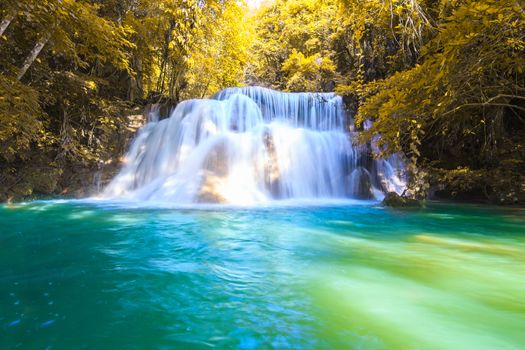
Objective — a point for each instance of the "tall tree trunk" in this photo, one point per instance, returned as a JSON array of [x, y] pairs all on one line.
[[165, 56], [33, 55], [7, 21], [135, 88]]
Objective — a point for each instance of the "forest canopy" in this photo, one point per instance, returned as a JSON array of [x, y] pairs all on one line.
[[73, 70], [442, 81]]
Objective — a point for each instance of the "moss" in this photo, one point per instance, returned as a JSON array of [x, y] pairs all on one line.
[[394, 200]]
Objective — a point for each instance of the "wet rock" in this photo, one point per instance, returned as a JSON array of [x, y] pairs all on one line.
[[210, 190], [359, 184], [394, 200], [216, 171], [272, 173]]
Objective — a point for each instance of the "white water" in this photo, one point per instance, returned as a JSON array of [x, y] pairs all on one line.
[[250, 145]]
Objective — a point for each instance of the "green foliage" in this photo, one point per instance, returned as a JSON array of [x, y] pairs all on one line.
[[180, 42], [20, 119], [464, 98], [220, 53], [307, 73], [443, 81], [73, 70], [293, 50]]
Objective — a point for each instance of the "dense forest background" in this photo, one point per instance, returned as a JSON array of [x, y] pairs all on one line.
[[443, 81]]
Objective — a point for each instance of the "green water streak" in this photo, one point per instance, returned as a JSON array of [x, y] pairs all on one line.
[[79, 275]]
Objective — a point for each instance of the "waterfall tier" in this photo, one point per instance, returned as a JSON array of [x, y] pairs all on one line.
[[249, 145]]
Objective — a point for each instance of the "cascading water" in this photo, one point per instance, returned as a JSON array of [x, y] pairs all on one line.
[[249, 145]]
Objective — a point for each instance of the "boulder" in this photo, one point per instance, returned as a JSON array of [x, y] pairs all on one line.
[[394, 200]]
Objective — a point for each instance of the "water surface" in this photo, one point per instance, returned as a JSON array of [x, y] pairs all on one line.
[[77, 275]]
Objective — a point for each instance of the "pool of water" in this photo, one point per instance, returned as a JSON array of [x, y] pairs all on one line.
[[77, 275]]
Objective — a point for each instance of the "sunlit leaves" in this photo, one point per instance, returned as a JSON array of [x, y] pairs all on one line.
[[294, 49], [20, 119], [469, 80]]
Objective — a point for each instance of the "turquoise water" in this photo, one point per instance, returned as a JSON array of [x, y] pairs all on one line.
[[80, 275]]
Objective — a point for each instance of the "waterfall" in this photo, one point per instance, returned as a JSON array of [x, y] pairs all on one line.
[[248, 145]]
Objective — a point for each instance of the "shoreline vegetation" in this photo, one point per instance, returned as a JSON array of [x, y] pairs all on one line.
[[443, 82]]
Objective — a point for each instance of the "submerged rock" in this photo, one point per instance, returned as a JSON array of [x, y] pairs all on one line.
[[394, 200]]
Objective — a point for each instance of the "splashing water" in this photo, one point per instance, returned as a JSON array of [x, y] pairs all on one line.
[[250, 145]]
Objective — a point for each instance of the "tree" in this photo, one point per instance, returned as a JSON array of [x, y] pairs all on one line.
[[462, 106], [220, 54], [294, 48], [72, 71]]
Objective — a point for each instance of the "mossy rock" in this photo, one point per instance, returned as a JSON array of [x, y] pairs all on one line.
[[394, 200]]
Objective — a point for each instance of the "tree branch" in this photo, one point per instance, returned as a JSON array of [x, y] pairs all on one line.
[[484, 104], [33, 55], [7, 21]]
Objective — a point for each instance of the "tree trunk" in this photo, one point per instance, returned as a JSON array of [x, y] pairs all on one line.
[[135, 88], [165, 56], [7, 21], [33, 55]]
